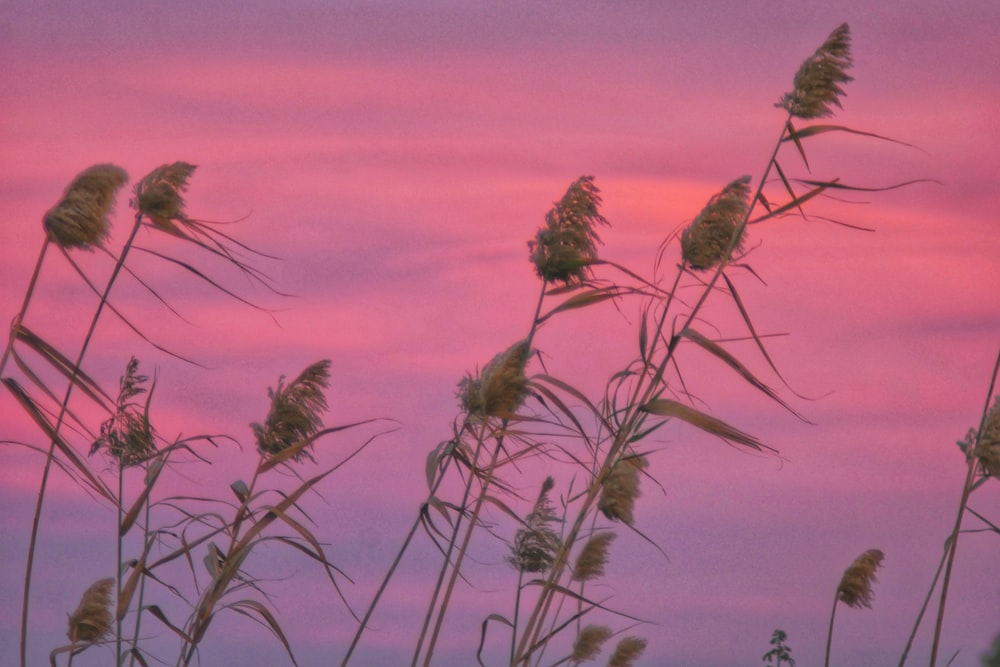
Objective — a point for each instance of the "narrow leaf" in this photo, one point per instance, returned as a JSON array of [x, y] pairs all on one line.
[[666, 407]]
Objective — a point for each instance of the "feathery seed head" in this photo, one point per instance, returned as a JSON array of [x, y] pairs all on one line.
[[295, 411], [988, 441], [128, 435], [81, 218], [500, 387], [589, 642], [708, 240], [627, 652], [92, 617], [564, 248], [158, 195], [620, 489], [817, 83], [855, 589], [593, 557], [535, 544]]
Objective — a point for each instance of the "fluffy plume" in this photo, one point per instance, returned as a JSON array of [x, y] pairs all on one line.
[[855, 589], [158, 195], [535, 544], [708, 240], [589, 642], [627, 652], [92, 617], [500, 387], [81, 218], [127, 435], [564, 248], [295, 411], [621, 488], [593, 557], [817, 83], [988, 441]]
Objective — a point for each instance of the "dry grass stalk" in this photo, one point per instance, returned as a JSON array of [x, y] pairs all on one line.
[[500, 387], [817, 83], [620, 489], [158, 194], [536, 544], [92, 617], [988, 441], [589, 642], [627, 652], [855, 589], [708, 240], [80, 219], [295, 411], [565, 247], [593, 557]]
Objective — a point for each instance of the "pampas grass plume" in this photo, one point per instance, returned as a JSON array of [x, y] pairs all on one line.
[[589, 642], [295, 411], [708, 240], [627, 652], [593, 557], [92, 617], [620, 489], [988, 441], [500, 387], [564, 248], [817, 83], [855, 589], [80, 219], [158, 195]]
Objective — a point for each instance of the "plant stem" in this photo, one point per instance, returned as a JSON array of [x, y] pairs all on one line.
[[64, 406], [829, 633]]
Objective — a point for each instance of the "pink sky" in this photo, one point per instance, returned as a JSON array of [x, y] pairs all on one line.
[[397, 156]]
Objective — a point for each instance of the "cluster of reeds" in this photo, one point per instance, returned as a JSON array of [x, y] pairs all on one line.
[[115, 436], [515, 410]]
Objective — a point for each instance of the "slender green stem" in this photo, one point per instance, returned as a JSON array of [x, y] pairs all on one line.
[[16, 324], [64, 407]]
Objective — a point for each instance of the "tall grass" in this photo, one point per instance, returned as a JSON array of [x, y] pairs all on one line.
[[181, 561]]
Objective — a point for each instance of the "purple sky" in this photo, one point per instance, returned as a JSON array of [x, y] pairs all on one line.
[[397, 156]]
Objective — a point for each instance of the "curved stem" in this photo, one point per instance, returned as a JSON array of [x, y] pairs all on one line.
[[829, 633], [64, 406]]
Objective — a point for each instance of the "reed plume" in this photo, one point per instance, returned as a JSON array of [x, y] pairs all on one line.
[[855, 588], [988, 441], [589, 642], [294, 415], [92, 617], [564, 248], [159, 196], [535, 544], [709, 239], [128, 435], [627, 652], [500, 387], [593, 557], [620, 489], [817, 83], [81, 218]]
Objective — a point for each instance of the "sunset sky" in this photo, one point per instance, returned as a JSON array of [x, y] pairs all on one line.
[[397, 156]]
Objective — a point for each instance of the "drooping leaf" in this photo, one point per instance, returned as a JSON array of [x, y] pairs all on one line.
[[666, 407]]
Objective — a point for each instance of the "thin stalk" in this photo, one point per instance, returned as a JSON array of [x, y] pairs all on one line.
[[517, 611], [118, 559], [829, 633], [24, 305], [64, 406], [923, 607], [953, 546], [142, 586]]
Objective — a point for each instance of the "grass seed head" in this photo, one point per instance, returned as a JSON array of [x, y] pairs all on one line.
[[988, 441], [855, 589], [500, 387], [564, 248], [92, 617], [708, 240], [295, 412], [81, 218], [535, 545], [817, 83], [620, 489], [627, 652], [589, 642], [158, 195], [593, 557]]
